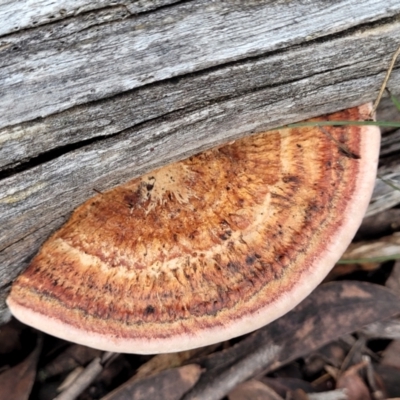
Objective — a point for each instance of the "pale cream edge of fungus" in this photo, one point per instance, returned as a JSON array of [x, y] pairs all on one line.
[[356, 208]]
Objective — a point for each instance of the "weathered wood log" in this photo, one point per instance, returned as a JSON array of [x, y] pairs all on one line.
[[94, 94], [387, 186]]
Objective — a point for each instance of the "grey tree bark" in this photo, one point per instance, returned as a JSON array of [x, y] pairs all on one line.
[[96, 93]]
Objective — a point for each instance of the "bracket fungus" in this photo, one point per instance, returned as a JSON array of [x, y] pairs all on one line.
[[205, 249]]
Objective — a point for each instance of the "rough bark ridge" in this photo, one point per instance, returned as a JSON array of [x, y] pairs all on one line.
[[94, 94]]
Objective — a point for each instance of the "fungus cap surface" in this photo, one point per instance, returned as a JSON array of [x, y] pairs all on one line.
[[205, 249]]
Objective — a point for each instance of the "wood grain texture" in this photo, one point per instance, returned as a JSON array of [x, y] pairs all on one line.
[[79, 62], [101, 93], [18, 15], [386, 194]]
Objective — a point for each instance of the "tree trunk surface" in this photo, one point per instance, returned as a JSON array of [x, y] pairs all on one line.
[[94, 94]]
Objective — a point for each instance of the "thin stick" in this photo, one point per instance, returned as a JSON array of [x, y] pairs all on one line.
[[88, 375], [242, 370], [385, 81]]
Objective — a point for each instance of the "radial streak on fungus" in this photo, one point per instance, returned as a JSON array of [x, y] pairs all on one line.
[[205, 249]]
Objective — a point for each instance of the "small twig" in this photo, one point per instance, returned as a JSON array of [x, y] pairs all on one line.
[[385, 81], [87, 376], [338, 394], [356, 349], [71, 377], [322, 379], [238, 373], [333, 372], [376, 392], [350, 340]]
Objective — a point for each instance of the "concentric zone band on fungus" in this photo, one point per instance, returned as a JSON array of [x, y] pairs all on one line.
[[205, 249]]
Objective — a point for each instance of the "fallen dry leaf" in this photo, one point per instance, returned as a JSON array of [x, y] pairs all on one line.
[[391, 355], [285, 386], [253, 390], [162, 362], [10, 340], [331, 311], [388, 378], [341, 270], [333, 354], [167, 385], [17, 382], [350, 380]]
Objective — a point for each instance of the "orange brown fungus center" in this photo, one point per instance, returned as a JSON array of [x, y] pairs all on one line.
[[201, 242]]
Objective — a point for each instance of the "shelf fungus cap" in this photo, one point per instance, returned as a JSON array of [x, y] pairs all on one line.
[[205, 249]]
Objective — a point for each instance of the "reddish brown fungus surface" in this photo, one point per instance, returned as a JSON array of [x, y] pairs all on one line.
[[204, 249]]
